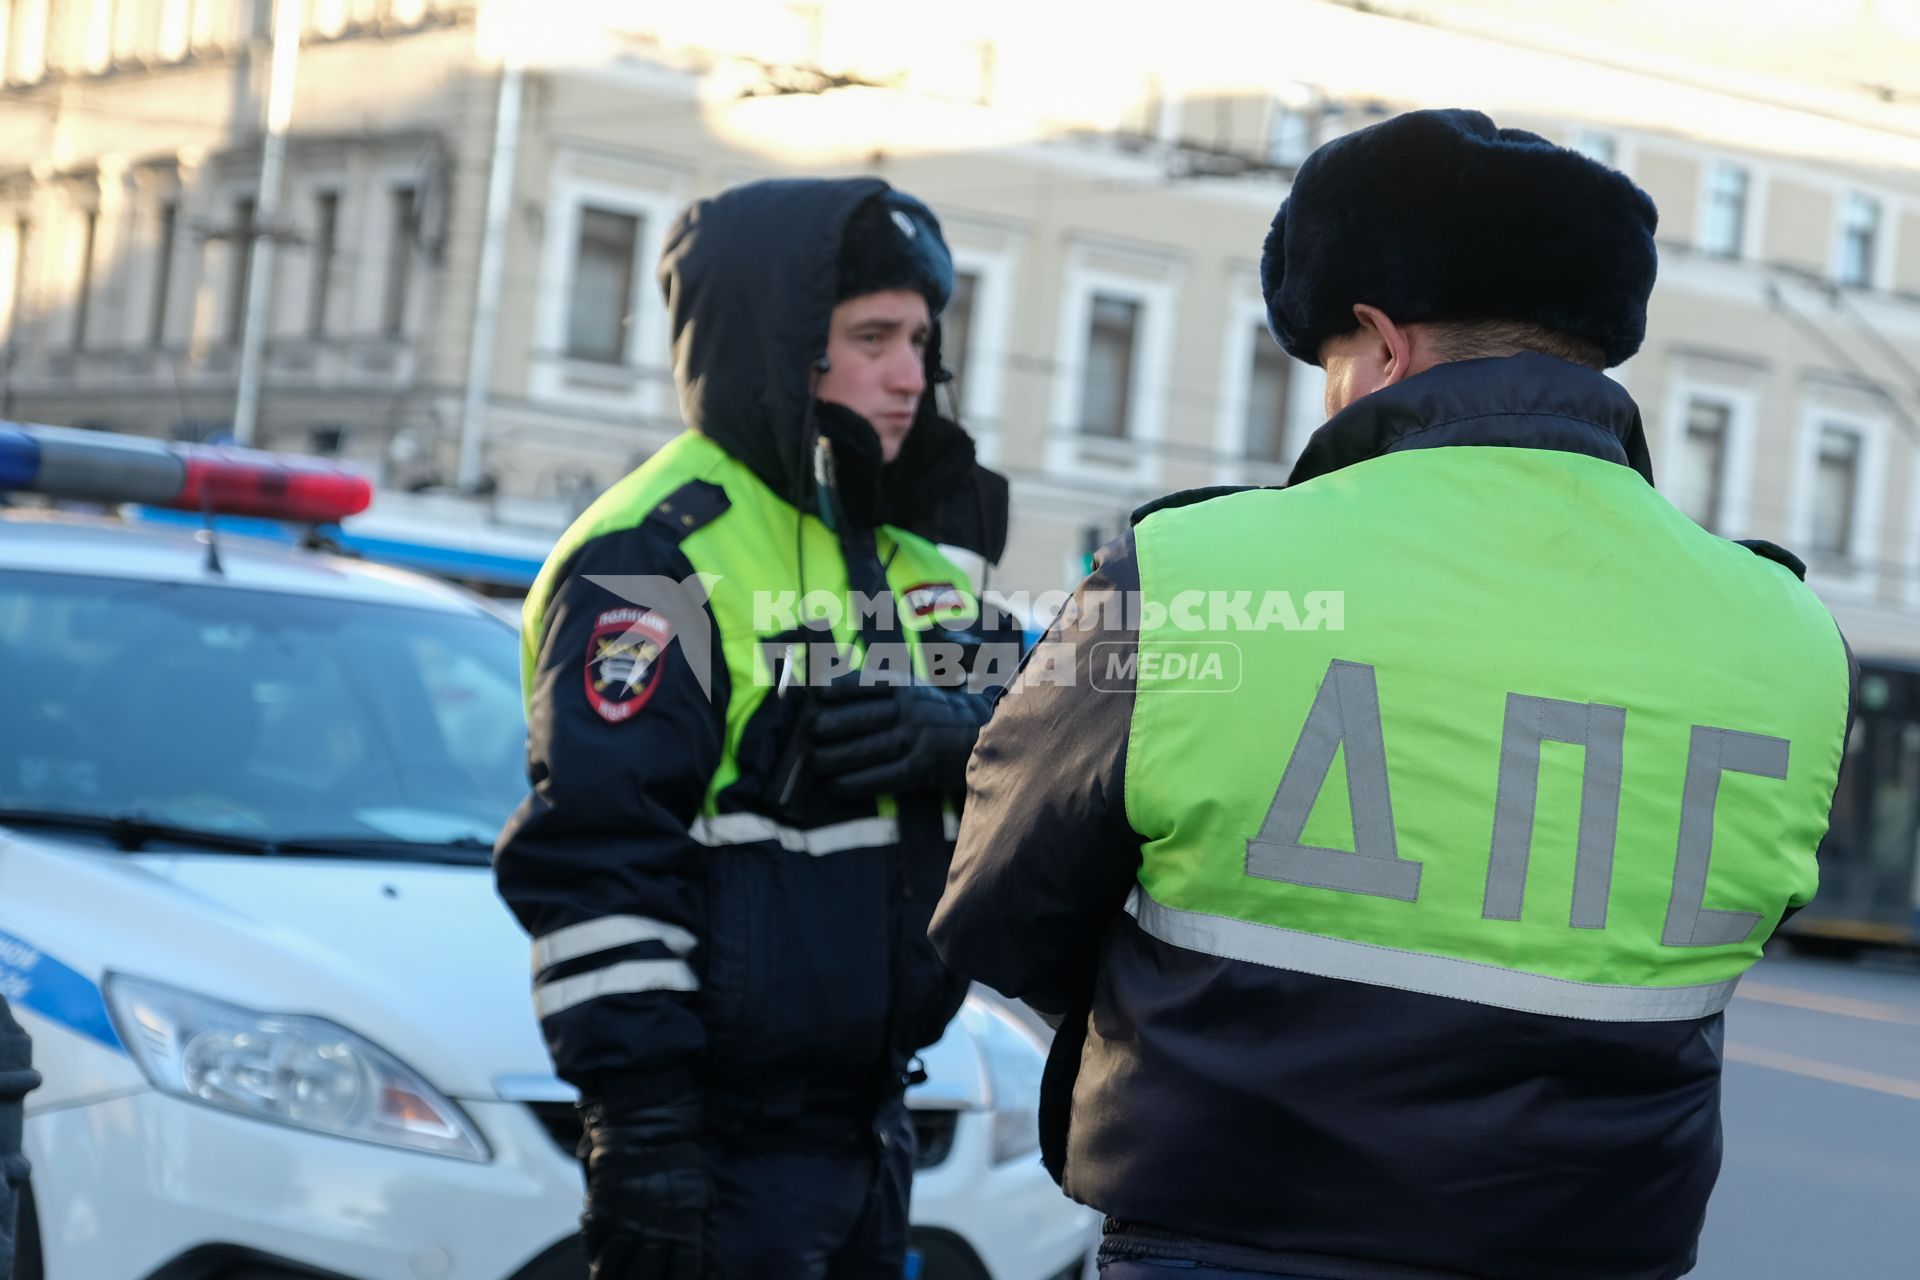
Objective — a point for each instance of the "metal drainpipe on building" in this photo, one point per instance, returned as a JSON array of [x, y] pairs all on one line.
[[493, 252], [287, 19]]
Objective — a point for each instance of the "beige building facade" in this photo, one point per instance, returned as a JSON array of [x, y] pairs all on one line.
[[1106, 195]]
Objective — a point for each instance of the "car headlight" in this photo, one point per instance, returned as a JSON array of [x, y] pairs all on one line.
[[285, 1068], [1015, 1061]]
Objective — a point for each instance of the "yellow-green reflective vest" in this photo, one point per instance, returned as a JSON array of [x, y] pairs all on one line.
[[750, 560], [1582, 778]]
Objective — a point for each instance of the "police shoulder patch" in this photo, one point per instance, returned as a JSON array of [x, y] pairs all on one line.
[[624, 661]]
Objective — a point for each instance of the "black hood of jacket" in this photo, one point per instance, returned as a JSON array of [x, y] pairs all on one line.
[[1527, 401], [749, 281]]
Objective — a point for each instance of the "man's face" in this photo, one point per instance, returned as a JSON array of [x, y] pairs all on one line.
[[876, 357]]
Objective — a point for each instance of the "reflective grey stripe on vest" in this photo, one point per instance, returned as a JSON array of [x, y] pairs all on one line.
[[605, 934], [1290, 949], [624, 978], [835, 837]]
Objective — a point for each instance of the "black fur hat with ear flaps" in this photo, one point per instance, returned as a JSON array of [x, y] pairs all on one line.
[[1439, 215], [893, 243]]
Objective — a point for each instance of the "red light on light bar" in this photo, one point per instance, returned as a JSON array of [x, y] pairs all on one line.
[[246, 482]]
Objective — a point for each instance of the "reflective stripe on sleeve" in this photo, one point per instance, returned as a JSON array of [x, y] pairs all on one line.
[[836, 837], [624, 978], [1432, 975], [604, 934]]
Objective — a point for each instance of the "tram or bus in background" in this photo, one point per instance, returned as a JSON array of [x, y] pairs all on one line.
[[1870, 862]]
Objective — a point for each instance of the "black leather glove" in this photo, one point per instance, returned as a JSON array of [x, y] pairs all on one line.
[[648, 1192], [871, 739]]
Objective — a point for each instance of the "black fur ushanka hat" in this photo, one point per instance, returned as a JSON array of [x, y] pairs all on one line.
[[893, 242], [1439, 215]]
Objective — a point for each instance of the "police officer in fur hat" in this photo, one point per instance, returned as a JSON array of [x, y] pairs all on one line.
[[738, 825], [1399, 946]]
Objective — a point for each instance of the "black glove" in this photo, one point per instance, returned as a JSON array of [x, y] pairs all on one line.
[[648, 1192], [874, 739]]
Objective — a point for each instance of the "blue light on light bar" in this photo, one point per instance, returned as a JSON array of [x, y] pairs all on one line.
[[100, 466], [19, 458]]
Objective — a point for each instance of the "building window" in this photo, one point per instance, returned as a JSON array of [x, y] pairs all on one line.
[[1700, 483], [89, 234], [163, 272], [956, 329], [1106, 387], [393, 310], [1597, 146], [1859, 240], [240, 255], [325, 440], [602, 300], [326, 239], [1836, 483], [1268, 384], [1726, 226]]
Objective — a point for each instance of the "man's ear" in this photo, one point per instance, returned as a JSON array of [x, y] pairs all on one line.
[[1394, 355]]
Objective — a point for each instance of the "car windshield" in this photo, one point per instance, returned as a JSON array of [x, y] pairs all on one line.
[[254, 713]]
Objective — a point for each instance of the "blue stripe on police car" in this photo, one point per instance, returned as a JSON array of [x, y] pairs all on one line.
[[32, 979]]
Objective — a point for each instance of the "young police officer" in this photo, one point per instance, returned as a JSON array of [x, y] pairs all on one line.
[[729, 856], [1393, 936]]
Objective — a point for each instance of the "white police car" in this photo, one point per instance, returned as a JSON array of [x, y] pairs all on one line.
[[247, 795]]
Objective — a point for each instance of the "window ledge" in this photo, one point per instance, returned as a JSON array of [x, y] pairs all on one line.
[[1119, 451], [1841, 577], [595, 375]]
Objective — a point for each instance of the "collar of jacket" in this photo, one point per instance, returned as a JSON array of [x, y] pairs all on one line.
[[934, 488], [1526, 401]]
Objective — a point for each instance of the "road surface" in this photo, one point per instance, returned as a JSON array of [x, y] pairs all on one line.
[[1822, 1172]]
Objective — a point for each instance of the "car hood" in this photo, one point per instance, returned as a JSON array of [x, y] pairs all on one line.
[[432, 946], [424, 960]]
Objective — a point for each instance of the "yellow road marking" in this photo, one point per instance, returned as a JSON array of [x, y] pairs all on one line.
[[1844, 1006], [1815, 1069]]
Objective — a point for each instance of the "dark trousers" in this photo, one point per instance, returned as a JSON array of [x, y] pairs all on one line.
[[815, 1214]]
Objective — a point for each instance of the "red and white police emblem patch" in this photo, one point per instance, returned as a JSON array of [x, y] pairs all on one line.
[[624, 661], [930, 598]]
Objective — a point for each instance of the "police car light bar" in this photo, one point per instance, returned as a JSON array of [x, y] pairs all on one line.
[[93, 466], [245, 482]]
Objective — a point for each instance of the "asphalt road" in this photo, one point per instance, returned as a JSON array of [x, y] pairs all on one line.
[[1822, 1108]]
